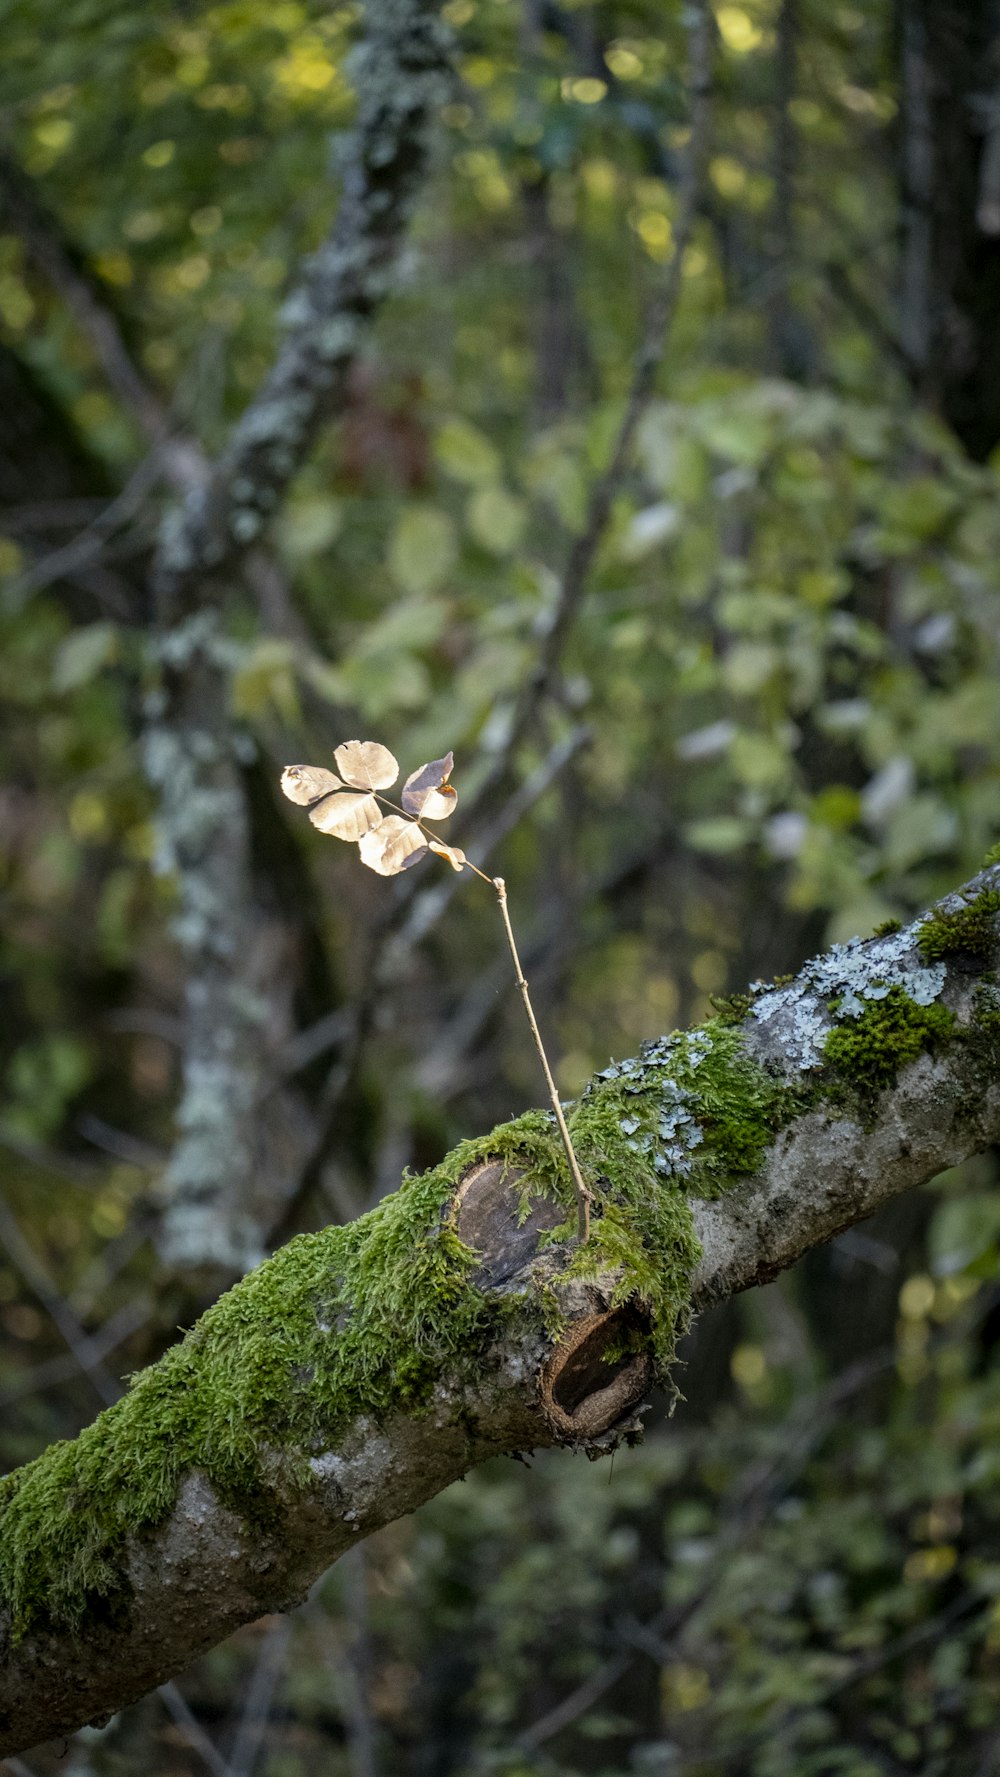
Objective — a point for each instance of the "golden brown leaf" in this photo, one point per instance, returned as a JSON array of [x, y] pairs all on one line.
[[453, 853], [366, 765], [349, 815], [306, 783], [394, 846], [427, 794]]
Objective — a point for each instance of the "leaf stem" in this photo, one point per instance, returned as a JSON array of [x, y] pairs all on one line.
[[417, 822], [583, 1196]]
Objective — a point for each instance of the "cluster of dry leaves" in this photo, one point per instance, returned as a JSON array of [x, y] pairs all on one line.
[[352, 807]]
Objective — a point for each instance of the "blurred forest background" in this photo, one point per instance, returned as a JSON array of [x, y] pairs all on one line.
[[755, 710]]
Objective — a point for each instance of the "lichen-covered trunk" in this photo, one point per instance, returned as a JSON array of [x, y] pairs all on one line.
[[363, 1368]]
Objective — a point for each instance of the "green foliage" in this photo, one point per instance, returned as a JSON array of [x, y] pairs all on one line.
[[869, 1050], [971, 928]]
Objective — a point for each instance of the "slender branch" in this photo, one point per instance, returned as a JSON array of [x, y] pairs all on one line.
[[113, 1333], [421, 914], [86, 1351], [177, 1705], [179, 459], [90, 544], [583, 1196], [657, 325], [259, 1701]]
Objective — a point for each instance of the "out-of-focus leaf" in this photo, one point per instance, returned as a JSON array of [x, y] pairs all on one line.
[[329, 682], [426, 791], [646, 529], [349, 815], [718, 833], [707, 742], [409, 623], [466, 454], [366, 765], [496, 519], [395, 845], [81, 656], [305, 783], [421, 549], [917, 508], [672, 459], [379, 687], [453, 853], [310, 525], [552, 473], [736, 432], [924, 827], [748, 666], [265, 677], [759, 760], [962, 1229]]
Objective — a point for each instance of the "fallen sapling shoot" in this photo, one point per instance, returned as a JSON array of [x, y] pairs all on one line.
[[352, 806]]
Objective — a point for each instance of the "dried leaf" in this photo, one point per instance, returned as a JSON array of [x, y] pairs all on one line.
[[454, 854], [394, 846], [366, 765], [306, 783], [349, 815], [426, 792]]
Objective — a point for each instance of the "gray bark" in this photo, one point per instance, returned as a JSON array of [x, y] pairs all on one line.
[[237, 960]]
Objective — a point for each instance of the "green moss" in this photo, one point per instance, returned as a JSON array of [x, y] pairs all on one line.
[[364, 1318], [992, 856], [970, 928], [888, 927], [986, 1010], [357, 1318], [731, 1008], [869, 1050], [734, 1108]]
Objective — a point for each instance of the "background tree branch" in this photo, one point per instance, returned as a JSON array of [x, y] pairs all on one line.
[[236, 956]]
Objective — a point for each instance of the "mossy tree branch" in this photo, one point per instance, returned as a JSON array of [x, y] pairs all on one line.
[[363, 1368]]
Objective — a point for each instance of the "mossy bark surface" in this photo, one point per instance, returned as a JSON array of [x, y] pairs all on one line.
[[363, 1368]]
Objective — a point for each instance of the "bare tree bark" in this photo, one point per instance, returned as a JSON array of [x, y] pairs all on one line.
[[950, 284], [237, 961], [876, 1068]]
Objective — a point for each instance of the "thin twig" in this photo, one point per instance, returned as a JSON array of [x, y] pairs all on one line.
[[347, 1666], [179, 460], [195, 1734], [583, 1196], [749, 1502], [260, 1698], [863, 1667], [113, 1333], [90, 543], [427, 906], [656, 329], [41, 1284]]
